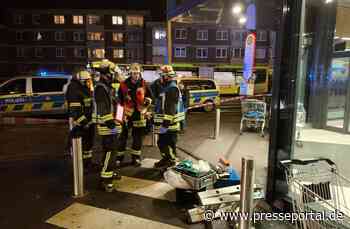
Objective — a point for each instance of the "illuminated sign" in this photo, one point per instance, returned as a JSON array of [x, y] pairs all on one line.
[[249, 56]]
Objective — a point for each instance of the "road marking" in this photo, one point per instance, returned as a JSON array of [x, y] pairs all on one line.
[[88, 217]]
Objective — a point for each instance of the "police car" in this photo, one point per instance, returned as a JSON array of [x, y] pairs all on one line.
[[34, 95]]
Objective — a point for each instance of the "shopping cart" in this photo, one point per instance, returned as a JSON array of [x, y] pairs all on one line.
[[316, 187], [253, 115]]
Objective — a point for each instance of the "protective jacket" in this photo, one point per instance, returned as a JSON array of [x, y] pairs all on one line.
[[105, 110], [169, 109], [79, 103]]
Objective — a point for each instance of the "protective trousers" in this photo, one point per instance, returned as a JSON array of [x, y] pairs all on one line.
[[138, 128], [110, 146], [167, 145], [88, 138]]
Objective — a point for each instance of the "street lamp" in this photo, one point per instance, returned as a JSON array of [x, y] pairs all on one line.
[[237, 9], [242, 20]]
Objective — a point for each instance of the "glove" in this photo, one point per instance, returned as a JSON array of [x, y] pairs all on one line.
[[163, 130]]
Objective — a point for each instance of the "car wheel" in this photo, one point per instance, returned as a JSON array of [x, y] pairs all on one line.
[[209, 106]]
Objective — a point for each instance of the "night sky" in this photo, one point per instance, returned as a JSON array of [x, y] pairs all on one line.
[[156, 7]]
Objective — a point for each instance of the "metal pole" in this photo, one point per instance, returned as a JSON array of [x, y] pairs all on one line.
[[169, 40], [217, 124], [77, 156], [78, 167], [247, 188], [154, 137]]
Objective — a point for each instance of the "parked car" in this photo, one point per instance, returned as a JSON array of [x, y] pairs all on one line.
[[34, 95]]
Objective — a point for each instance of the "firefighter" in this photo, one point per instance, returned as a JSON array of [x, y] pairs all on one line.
[[107, 127], [169, 112], [79, 100], [136, 98]]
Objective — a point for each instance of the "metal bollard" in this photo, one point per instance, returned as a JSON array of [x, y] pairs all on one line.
[[78, 167], [217, 123], [247, 189], [77, 157], [154, 137]]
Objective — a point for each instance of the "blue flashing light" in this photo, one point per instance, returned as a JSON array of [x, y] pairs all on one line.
[[43, 73], [51, 74]]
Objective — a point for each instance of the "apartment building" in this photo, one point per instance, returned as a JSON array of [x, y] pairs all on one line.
[[62, 39]]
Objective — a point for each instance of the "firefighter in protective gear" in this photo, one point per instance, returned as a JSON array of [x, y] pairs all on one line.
[[107, 127], [136, 98], [169, 112], [79, 101]]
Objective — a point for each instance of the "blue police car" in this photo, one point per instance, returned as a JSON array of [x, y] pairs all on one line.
[[34, 95]]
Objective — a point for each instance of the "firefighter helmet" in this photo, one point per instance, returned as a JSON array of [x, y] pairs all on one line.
[[83, 75], [167, 70]]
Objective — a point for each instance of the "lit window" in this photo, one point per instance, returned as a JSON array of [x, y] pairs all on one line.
[[202, 35], [36, 19], [95, 36], [159, 34], [118, 37], [181, 34], [38, 36], [93, 19], [118, 53], [79, 52], [202, 53], [135, 20], [59, 19], [19, 36], [96, 53], [60, 36], [221, 52], [19, 19], [221, 35], [39, 52], [180, 52], [78, 19], [19, 52], [78, 36], [117, 20], [59, 52]]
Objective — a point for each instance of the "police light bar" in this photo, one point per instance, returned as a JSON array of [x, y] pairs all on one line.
[[51, 74]]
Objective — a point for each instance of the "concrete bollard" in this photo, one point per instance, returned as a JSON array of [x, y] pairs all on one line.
[[247, 189]]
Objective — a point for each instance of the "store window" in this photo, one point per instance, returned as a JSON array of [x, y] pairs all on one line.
[[117, 20], [59, 19]]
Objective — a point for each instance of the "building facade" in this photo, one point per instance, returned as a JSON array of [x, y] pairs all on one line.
[[61, 39]]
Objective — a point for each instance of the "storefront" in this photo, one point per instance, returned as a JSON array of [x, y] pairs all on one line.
[[311, 89]]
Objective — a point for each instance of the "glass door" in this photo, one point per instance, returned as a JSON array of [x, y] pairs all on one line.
[[338, 93]]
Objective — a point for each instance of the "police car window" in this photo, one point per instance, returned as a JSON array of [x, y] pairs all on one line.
[[14, 87], [192, 85], [48, 85], [207, 85]]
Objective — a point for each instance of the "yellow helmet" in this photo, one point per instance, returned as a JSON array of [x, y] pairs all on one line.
[[135, 67], [83, 75], [167, 70], [104, 66]]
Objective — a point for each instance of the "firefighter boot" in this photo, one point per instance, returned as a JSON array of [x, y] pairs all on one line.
[[162, 163]]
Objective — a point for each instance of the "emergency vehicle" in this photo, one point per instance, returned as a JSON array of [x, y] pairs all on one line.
[[34, 95]]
